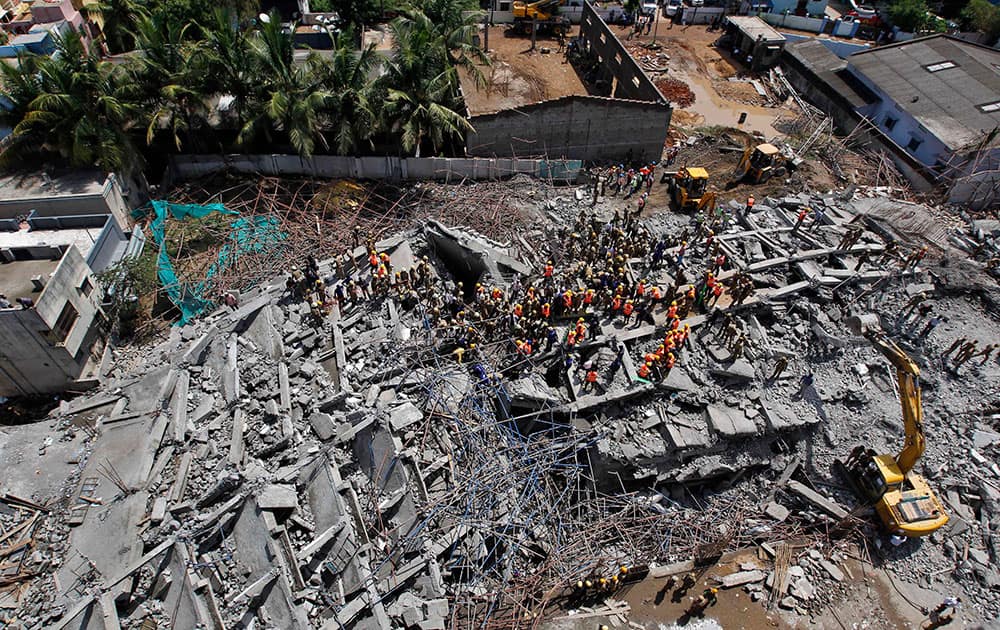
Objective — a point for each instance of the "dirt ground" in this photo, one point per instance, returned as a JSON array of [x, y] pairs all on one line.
[[866, 599], [687, 54], [520, 75]]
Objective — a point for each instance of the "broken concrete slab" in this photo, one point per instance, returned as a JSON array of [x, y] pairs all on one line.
[[741, 577], [405, 415], [728, 422], [323, 424], [827, 505], [738, 370], [278, 497]]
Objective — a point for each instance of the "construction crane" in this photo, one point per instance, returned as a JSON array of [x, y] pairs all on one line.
[[761, 163], [541, 14], [689, 189], [903, 499]]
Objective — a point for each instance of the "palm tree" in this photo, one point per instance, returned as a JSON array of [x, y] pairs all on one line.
[[292, 97], [225, 61], [20, 85], [119, 20], [80, 111], [421, 81], [348, 111], [165, 80], [447, 35], [418, 114]]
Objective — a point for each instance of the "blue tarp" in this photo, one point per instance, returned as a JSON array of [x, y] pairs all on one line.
[[256, 234]]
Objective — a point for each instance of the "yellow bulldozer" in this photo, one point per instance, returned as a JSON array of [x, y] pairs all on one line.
[[689, 189], [903, 499], [760, 163]]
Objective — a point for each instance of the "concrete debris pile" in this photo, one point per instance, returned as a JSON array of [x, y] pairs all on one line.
[[438, 430]]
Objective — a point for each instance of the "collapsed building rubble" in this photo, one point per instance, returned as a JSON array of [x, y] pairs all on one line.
[[296, 460]]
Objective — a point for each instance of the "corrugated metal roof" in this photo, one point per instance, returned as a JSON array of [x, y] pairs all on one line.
[[831, 69], [947, 102], [754, 27]]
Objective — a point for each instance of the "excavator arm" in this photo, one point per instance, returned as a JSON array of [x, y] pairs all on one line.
[[908, 376]]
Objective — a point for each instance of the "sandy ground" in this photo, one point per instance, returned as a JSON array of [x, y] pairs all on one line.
[[520, 75], [866, 599], [706, 69]]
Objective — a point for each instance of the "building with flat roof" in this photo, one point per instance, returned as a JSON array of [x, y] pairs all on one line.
[[52, 333], [77, 192], [753, 41], [51, 322]]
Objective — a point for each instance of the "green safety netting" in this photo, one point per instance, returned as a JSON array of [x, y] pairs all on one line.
[[252, 235]]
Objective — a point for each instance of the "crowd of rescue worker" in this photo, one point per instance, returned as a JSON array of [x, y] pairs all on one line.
[[596, 280]]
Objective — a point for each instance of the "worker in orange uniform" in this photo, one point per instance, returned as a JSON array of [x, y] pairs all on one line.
[[716, 294], [672, 311], [549, 270], [655, 295], [627, 309], [373, 259], [546, 310], [518, 311], [644, 371], [749, 207], [588, 297], [592, 379], [668, 363], [568, 300], [581, 329], [571, 339]]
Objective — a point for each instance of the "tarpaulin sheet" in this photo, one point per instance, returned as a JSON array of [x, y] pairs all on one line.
[[256, 234]]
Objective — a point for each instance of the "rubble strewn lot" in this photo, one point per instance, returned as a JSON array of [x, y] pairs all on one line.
[[286, 464]]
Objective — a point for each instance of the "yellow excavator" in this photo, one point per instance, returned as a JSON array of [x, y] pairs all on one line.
[[903, 499], [689, 189], [543, 13], [761, 163]]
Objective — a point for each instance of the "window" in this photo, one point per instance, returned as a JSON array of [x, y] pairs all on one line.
[[937, 67], [989, 108], [86, 287], [890, 122], [505, 6], [914, 144], [67, 319]]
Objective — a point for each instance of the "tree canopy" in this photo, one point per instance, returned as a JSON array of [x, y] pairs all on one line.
[[981, 15], [909, 15], [227, 83]]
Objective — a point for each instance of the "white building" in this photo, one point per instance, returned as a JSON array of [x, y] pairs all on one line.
[[55, 234], [938, 98]]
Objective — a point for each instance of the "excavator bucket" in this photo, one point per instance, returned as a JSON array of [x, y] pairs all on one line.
[[864, 324]]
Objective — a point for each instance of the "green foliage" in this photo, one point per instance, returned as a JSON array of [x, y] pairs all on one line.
[[981, 15], [88, 111], [78, 108], [909, 15], [356, 13], [123, 284], [320, 6]]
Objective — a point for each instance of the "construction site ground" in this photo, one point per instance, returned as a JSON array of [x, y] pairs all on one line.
[[687, 54], [519, 75]]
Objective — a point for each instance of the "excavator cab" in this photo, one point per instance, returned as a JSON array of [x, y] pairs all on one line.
[[689, 189]]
